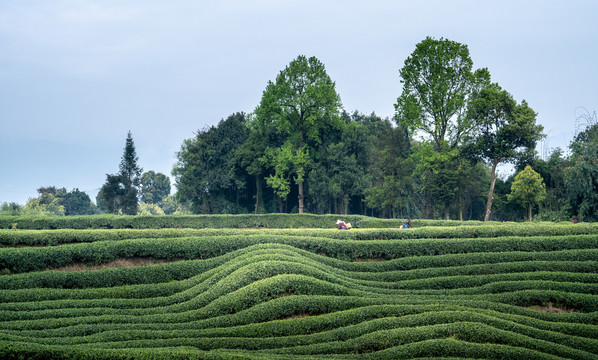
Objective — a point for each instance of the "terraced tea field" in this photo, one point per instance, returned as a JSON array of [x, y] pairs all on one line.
[[501, 291]]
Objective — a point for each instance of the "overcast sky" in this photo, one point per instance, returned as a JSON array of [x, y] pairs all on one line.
[[76, 76]]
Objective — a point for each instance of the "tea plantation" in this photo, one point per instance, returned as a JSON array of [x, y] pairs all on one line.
[[294, 287]]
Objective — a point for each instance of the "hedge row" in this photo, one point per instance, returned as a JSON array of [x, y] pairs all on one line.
[[372, 329], [259, 281], [281, 221], [369, 336], [443, 292], [202, 292], [389, 274], [245, 270], [583, 260], [449, 348], [410, 316], [66, 236], [369, 329], [18, 260]]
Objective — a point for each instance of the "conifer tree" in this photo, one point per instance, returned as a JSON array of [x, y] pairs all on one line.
[[120, 192], [130, 173]]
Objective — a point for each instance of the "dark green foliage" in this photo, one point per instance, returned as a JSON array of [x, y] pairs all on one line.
[[391, 169], [552, 170], [582, 177], [112, 194], [11, 209], [208, 173], [155, 187], [119, 193], [77, 202]]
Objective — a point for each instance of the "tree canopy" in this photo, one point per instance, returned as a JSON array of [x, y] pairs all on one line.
[[582, 177], [303, 104], [155, 187], [120, 191], [207, 172], [528, 189], [437, 82], [299, 151], [504, 131]]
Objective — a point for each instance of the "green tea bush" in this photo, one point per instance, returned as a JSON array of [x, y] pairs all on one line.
[[66, 236], [278, 221], [293, 287]]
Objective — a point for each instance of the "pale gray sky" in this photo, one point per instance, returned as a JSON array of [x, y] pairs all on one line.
[[76, 76]]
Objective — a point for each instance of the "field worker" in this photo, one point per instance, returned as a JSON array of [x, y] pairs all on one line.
[[341, 225]]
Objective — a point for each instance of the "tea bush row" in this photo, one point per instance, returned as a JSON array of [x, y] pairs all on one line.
[[240, 290], [65, 236], [429, 272], [374, 335], [18, 260], [414, 266], [573, 276], [366, 337], [280, 221], [337, 321]]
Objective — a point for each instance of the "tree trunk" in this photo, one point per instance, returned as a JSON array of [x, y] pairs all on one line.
[[301, 182], [279, 203], [257, 193], [301, 197], [446, 213], [530, 212], [346, 206], [491, 191], [470, 212]]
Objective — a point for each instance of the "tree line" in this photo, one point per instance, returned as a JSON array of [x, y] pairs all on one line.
[[300, 151]]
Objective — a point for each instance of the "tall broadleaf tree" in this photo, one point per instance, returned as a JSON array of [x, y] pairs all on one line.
[[437, 82], [303, 103], [252, 154], [505, 131]]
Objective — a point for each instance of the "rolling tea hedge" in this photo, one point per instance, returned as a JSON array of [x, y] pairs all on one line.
[[293, 287]]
